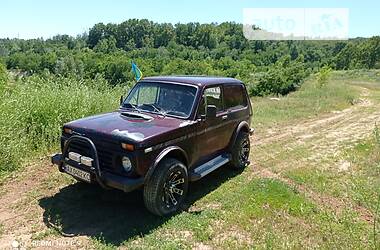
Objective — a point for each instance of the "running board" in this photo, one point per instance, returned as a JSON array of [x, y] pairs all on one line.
[[209, 166]]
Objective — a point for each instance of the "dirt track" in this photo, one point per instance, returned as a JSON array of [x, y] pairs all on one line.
[[325, 137], [21, 215]]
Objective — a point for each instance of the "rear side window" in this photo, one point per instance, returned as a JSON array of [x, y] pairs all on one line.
[[234, 97], [213, 96]]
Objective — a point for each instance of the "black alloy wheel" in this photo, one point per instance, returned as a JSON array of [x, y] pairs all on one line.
[[240, 151], [166, 190]]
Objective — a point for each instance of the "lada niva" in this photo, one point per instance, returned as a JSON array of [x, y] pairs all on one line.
[[168, 132]]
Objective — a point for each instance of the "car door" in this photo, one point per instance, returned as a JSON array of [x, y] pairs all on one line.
[[211, 134]]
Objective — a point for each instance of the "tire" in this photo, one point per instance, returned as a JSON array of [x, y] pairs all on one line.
[[240, 151], [166, 189]]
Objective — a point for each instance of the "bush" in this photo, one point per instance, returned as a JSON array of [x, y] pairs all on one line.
[[323, 76], [282, 78], [3, 75]]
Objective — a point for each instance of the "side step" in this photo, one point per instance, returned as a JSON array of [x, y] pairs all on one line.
[[209, 166]]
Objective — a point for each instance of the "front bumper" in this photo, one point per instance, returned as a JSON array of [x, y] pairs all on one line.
[[103, 178]]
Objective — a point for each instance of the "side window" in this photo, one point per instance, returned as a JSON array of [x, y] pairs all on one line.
[[234, 97], [213, 96]]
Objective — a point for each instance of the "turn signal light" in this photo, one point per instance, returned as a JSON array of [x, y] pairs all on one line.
[[68, 131], [127, 146]]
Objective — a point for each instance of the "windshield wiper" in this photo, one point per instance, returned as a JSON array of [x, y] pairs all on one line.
[[157, 109], [133, 106]]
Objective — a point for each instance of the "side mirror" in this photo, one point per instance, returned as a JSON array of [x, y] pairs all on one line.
[[211, 111], [121, 100]]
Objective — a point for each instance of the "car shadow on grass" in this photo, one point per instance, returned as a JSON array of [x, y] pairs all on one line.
[[111, 215]]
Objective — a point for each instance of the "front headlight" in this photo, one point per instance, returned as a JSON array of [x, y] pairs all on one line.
[[127, 165]]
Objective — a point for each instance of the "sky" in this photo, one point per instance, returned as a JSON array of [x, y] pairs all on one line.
[[46, 18]]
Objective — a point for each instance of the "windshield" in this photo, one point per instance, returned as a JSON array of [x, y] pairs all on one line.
[[163, 98]]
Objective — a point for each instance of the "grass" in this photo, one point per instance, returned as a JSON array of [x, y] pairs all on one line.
[[264, 213], [309, 101], [32, 111], [360, 185], [360, 182]]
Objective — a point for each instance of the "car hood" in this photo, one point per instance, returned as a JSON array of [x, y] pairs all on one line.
[[128, 126]]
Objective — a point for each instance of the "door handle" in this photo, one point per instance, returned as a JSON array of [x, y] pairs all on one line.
[[224, 117]]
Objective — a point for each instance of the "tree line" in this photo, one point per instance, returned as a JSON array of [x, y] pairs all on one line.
[[267, 67]]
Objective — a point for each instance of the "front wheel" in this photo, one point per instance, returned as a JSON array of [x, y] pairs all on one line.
[[240, 151], [166, 190]]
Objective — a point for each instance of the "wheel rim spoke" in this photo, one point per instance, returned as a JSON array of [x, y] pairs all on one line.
[[173, 189], [177, 191], [174, 176], [177, 182], [172, 198], [244, 151]]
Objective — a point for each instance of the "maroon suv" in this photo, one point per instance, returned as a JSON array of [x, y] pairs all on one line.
[[168, 131]]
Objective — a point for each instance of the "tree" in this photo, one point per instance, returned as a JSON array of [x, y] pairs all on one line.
[[163, 34], [96, 34], [268, 67], [106, 45]]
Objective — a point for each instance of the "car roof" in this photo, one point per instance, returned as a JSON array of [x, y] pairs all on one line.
[[193, 80]]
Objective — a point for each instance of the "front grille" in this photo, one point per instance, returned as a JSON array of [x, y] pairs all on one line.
[[105, 158], [80, 147], [105, 155]]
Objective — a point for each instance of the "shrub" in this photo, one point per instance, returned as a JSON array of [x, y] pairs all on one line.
[[282, 78], [323, 75], [3, 76]]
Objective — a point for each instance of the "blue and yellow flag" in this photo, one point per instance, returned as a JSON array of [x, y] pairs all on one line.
[[136, 71]]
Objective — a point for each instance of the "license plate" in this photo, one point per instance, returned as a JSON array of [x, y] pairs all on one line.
[[83, 175]]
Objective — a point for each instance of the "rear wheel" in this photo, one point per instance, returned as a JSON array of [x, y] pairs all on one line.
[[166, 190], [240, 151]]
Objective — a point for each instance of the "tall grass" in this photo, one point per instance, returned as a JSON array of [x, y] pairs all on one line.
[[32, 111]]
